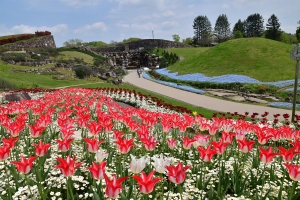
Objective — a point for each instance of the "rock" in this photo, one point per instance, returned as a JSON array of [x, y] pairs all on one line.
[[256, 100], [19, 96], [236, 98]]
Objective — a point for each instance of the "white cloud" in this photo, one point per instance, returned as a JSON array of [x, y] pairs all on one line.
[[122, 25], [91, 29], [170, 24], [225, 6], [248, 3], [144, 27], [145, 4], [18, 29], [80, 3]]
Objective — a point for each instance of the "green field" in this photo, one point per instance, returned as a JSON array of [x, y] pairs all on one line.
[[66, 55], [259, 58]]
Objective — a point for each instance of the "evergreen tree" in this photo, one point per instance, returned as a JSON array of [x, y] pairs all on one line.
[[222, 28], [254, 25], [273, 28], [240, 28], [202, 30], [298, 32]]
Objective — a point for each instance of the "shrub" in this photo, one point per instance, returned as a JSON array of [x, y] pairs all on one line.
[[4, 84], [17, 57], [82, 71]]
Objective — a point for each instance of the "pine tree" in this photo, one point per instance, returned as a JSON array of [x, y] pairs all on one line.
[[254, 25], [273, 28], [239, 28], [222, 28], [202, 30], [298, 32]]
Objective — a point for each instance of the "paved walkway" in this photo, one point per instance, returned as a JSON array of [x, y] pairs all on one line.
[[202, 100]]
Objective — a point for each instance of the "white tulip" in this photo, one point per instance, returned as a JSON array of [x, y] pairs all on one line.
[[161, 163], [137, 165], [101, 155]]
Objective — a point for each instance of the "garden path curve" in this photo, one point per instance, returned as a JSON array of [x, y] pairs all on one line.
[[203, 101]]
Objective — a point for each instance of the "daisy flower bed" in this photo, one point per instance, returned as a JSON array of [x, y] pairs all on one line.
[[81, 144]]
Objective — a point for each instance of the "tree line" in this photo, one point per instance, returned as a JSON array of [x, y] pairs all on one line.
[[253, 26]]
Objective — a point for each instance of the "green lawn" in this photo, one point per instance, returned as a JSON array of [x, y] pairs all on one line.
[[66, 55], [259, 58]]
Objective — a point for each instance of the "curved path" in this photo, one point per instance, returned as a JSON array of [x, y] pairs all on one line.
[[202, 100]]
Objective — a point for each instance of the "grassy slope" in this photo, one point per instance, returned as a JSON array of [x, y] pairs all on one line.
[[66, 55], [259, 58]]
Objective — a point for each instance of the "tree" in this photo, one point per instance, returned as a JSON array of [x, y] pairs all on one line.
[[202, 30], [254, 25], [222, 28], [239, 27], [176, 37], [188, 41], [73, 43], [131, 40], [298, 32], [273, 28], [83, 71], [238, 34]]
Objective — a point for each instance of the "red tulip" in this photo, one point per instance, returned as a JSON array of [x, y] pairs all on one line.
[[187, 142], [206, 154], [4, 152], [124, 145], [167, 125], [220, 146], [266, 156], [146, 182], [227, 137], [25, 165], [149, 143], [65, 144], [36, 130], [14, 128], [97, 170], [177, 174], [172, 143], [262, 137], [94, 128], [287, 155], [294, 171], [10, 142], [41, 149], [67, 166], [201, 140], [245, 146], [92, 145], [114, 186]]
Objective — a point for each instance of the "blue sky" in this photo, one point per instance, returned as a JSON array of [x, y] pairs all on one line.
[[115, 20]]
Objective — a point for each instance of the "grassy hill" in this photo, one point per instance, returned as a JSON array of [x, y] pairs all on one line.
[[66, 55], [259, 58]]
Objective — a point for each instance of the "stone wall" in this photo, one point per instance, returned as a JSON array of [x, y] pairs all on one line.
[[39, 42], [146, 44]]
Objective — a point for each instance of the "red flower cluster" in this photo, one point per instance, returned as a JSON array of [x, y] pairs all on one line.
[[23, 37]]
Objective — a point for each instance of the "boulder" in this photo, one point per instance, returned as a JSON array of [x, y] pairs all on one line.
[[19, 96]]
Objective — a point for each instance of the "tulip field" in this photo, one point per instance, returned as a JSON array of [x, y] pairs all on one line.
[[81, 144]]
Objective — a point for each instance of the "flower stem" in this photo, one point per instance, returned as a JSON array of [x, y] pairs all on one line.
[[27, 181], [7, 184], [69, 189]]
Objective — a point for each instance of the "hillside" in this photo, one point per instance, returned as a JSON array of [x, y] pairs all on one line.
[[259, 58]]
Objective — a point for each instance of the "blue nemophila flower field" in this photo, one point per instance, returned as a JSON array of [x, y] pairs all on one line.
[[183, 87], [229, 78], [282, 104]]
